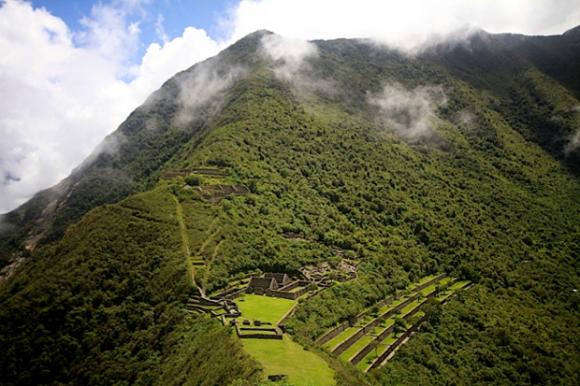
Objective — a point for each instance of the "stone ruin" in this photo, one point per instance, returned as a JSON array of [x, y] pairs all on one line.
[[323, 273], [278, 285], [224, 308]]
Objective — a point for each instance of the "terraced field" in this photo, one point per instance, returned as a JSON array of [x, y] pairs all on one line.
[[284, 356], [367, 321], [374, 337]]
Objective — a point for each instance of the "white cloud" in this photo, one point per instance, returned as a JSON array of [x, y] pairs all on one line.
[[400, 23], [409, 113], [63, 91], [292, 63], [160, 62], [160, 28], [57, 100]]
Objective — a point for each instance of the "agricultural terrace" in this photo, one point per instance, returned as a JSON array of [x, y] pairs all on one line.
[[302, 368], [376, 333], [264, 308]]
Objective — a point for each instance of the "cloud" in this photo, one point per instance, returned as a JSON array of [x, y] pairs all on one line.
[[405, 24], [108, 32], [292, 63], [161, 62], [59, 100], [573, 143], [202, 87], [160, 29], [289, 54], [409, 113], [67, 90], [574, 140]]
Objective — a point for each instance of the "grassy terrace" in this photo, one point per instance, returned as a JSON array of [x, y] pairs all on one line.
[[367, 338], [285, 356], [427, 290], [367, 318], [365, 363], [451, 290], [264, 308], [350, 331], [288, 357]]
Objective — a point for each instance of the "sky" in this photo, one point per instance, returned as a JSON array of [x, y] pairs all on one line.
[[71, 71]]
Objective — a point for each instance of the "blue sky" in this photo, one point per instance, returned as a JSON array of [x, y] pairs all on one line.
[[176, 15]]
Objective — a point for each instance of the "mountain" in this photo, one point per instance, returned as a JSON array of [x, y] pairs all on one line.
[[462, 158]]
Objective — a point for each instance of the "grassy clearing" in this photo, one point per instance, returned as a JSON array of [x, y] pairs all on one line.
[[264, 308], [282, 356], [303, 368]]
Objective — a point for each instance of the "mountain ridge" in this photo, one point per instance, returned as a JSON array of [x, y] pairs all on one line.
[[408, 165]]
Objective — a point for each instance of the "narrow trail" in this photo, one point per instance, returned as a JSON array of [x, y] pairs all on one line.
[[209, 263], [209, 238], [184, 239]]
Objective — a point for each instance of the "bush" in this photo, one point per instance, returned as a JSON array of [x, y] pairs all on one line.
[[193, 180]]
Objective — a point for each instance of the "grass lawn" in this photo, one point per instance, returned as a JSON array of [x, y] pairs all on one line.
[[264, 308], [303, 368]]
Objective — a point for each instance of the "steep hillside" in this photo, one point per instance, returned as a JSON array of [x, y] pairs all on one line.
[[460, 160], [130, 158]]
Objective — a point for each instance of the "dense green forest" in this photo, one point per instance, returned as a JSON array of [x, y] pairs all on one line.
[[489, 195]]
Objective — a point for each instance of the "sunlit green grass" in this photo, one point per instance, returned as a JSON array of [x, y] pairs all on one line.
[[303, 368], [347, 333], [371, 356], [264, 308], [350, 331]]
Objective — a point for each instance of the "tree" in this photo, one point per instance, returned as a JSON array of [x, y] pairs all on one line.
[[400, 325], [193, 180]]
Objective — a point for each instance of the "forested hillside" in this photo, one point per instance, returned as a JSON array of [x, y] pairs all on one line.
[[461, 159]]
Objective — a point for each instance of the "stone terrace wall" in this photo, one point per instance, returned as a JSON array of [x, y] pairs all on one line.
[[344, 325], [258, 333]]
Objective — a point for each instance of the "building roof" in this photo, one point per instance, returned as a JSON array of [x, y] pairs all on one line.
[[263, 282], [281, 278]]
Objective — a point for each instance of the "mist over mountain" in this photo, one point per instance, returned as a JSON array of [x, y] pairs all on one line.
[[462, 157]]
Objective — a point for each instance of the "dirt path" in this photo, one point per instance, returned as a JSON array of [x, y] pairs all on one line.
[[209, 238], [184, 239], [210, 262]]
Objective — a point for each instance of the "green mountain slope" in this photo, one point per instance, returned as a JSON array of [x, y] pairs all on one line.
[[487, 191]]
